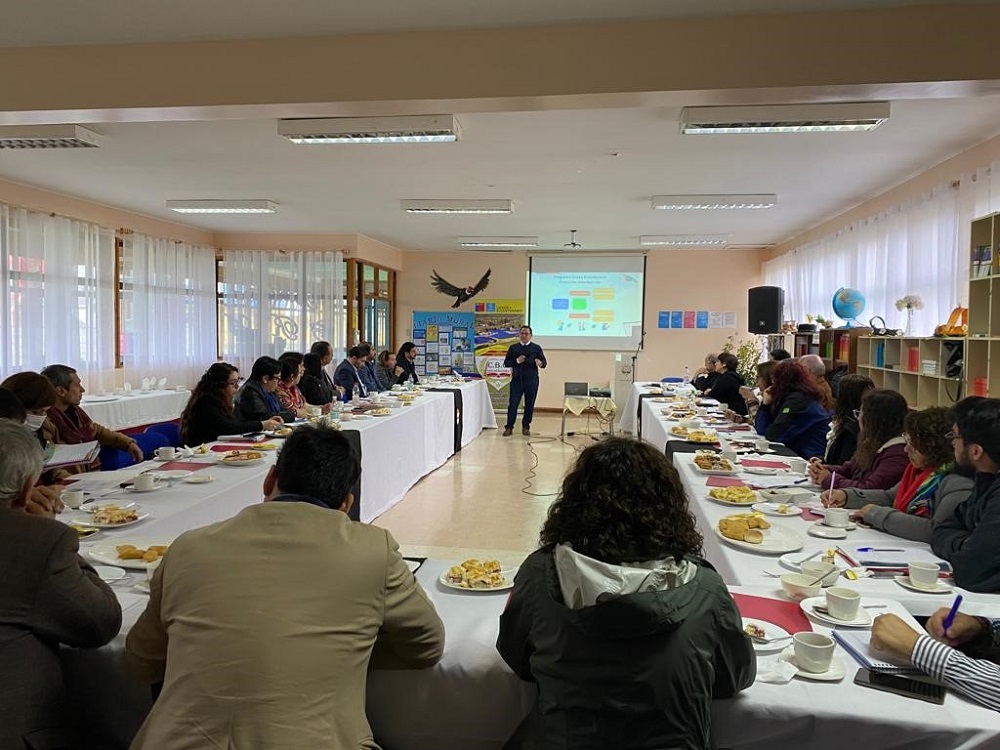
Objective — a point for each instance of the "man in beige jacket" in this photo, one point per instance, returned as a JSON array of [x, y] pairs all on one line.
[[263, 627]]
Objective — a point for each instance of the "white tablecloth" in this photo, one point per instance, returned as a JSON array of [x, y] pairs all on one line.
[[627, 420], [477, 409], [122, 412]]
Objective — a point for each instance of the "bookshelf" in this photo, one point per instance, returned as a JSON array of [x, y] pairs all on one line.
[[982, 360], [915, 367]]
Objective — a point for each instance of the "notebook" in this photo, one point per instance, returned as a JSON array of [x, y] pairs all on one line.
[[858, 645]]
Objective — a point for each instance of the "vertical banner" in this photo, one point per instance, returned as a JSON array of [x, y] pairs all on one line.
[[443, 341], [498, 325]]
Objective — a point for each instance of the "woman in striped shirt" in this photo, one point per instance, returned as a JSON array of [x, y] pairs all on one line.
[[972, 671]]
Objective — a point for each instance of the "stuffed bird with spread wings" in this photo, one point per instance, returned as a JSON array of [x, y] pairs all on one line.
[[461, 295]]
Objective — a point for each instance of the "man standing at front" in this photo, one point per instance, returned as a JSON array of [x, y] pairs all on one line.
[[524, 359], [263, 627]]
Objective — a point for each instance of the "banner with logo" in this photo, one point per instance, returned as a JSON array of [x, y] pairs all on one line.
[[444, 342], [498, 324]]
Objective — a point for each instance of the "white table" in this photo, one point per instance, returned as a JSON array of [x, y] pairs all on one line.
[[627, 421], [477, 409], [120, 412]]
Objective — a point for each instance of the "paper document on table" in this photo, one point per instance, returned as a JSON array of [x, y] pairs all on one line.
[[71, 455], [858, 645], [885, 555], [768, 483]]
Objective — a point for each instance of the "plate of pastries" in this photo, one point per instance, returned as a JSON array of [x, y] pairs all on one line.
[[733, 495], [474, 575], [754, 533], [713, 464], [241, 458], [135, 554]]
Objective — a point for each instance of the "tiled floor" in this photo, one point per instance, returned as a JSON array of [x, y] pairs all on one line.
[[491, 498]]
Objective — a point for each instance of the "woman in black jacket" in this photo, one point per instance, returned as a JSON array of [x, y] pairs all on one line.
[[842, 440], [706, 376], [209, 412], [726, 389], [315, 385]]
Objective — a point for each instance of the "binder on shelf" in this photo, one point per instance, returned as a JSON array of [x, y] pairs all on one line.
[[880, 354], [858, 645], [982, 261]]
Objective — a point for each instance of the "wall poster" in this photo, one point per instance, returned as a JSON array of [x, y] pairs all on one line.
[[443, 342]]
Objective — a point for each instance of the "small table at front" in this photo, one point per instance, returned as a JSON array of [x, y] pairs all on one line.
[[603, 405]]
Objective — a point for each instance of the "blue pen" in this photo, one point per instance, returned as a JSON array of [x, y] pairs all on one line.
[[951, 614]]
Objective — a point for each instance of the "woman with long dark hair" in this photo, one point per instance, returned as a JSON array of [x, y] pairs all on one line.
[[880, 458], [727, 385], [842, 440], [617, 618], [210, 413], [792, 412]]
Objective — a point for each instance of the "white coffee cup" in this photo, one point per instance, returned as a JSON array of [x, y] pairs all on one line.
[[842, 603], [144, 482], [923, 575], [837, 518], [74, 499], [166, 452], [797, 465], [762, 444], [813, 651]]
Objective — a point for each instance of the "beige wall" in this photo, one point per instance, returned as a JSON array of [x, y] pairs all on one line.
[[686, 279]]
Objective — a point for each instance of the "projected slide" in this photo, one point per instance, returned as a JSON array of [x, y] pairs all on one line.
[[572, 306]]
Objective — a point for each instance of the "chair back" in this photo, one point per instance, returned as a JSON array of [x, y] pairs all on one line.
[[170, 430]]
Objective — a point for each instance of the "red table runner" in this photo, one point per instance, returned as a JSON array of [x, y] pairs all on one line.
[[725, 482], [183, 465], [787, 615], [756, 463]]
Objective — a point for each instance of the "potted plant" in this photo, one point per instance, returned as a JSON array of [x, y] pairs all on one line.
[[749, 354]]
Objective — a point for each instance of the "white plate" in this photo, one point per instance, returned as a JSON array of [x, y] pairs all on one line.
[[794, 561], [788, 495], [92, 506], [771, 509], [198, 479], [508, 574], [863, 619], [835, 673], [138, 510], [906, 583], [762, 470], [105, 552], [169, 475], [770, 631], [777, 541], [111, 573], [380, 415], [823, 531], [716, 472], [251, 462], [732, 504], [360, 416], [98, 399], [156, 486]]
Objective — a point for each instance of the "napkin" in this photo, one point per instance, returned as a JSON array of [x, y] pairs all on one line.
[[776, 670], [757, 463], [127, 387], [725, 482], [145, 384]]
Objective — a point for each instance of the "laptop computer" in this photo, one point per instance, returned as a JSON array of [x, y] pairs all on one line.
[[576, 389]]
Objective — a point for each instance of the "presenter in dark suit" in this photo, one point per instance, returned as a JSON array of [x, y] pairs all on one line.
[[524, 359]]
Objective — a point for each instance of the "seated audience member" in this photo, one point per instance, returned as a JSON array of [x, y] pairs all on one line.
[[348, 376], [387, 371], [616, 617], [294, 677], [964, 657], [727, 385], [209, 412], [842, 440], [44, 499], [289, 396], [752, 397], [778, 355], [325, 352], [68, 424], [791, 411], [367, 370], [48, 596], [880, 459], [257, 400], [929, 491], [968, 540], [817, 369], [316, 386], [706, 375], [404, 358]]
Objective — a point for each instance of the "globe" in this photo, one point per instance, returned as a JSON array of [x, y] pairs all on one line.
[[848, 304]]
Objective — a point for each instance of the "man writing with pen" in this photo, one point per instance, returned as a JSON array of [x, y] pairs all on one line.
[[958, 650]]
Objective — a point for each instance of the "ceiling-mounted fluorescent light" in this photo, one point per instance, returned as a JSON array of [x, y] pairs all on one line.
[[441, 206], [223, 207], [784, 118], [684, 240], [48, 136], [708, 202], [410, 129], [498, 241]]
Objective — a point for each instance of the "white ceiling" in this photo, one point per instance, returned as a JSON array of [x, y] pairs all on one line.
[[557, 166], [32, 23]]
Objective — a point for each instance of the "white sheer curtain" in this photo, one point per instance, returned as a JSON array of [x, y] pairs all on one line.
[[58, 279], [273, 302], [168, 310], [921, 247]]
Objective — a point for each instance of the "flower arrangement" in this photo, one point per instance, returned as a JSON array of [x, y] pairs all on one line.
[[910, 302], [748, 353]]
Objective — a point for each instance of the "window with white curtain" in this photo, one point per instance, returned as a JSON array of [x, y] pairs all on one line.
[[921, 247], [167, 317], [273, 302], [58, 279]]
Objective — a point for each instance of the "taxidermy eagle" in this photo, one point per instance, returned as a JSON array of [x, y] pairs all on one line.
[[460, 294]]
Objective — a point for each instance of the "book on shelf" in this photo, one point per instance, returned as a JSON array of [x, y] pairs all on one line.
[[982, 261]]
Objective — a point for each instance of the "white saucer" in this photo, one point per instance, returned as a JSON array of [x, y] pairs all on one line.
[[170, 475], [906, 583], [862, 620], [154, 488], [823, 531], [771, 509], [110, 573], [835, 673], [198, 479]]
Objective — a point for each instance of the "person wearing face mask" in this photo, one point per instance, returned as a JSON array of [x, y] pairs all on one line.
[[37, 391]]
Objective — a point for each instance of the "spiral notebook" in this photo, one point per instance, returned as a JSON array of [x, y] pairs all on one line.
[[858, 645]]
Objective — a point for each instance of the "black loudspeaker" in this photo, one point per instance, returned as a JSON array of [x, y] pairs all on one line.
[[765, 306]]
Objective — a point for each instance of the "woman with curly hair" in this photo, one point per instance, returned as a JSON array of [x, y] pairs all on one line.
[[929, 490], [288, 393], [792, 412], [842, 439], [627, 632], [210, 413], [880, 458]]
